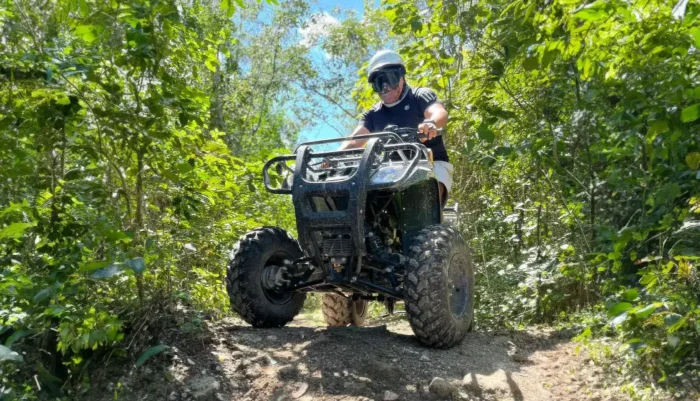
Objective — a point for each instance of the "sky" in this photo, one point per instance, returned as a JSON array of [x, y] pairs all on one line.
[[323, 130]]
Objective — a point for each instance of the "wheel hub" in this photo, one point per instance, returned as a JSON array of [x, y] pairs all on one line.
[[457, 286]]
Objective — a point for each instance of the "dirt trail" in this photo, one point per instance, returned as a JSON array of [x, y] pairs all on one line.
[[305, 361]]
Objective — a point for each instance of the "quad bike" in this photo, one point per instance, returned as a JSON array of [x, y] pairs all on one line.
[[371, 227]]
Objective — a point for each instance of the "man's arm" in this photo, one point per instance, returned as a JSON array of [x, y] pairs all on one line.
[[358, 143], [438, 114]]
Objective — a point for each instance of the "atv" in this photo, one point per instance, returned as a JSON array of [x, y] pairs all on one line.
[[370, 227]]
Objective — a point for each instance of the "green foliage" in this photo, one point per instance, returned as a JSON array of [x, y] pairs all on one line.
[[120, 192], [133, 135], [574, 130]]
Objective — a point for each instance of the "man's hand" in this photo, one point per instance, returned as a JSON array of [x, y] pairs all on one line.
[[428, 128]]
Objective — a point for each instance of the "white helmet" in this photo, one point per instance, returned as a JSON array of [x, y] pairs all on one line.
[[384, 58]]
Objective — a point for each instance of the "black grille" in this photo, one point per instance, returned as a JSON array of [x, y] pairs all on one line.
[[336, 246]]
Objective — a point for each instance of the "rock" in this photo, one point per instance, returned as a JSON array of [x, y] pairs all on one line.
[[493, 383], [301, 390], [461, 395], [357, 389], [336, 374], [345, 373], [191, 362], [172, 396], [253, 338], [382, 371], [424, 357], [253, 371], [520, 357], [390, 396], [287, 373], [204, 388], [441, 387]]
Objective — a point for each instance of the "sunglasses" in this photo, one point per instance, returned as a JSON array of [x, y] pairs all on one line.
[[385, 81]]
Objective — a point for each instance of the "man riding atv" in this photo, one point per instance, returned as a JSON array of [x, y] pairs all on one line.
[[404, 106], [369, 222]]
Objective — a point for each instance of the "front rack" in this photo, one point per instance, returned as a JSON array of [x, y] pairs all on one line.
[[342, 165]]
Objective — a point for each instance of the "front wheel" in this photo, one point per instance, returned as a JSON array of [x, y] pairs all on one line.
[[258, 250], [440, 287]]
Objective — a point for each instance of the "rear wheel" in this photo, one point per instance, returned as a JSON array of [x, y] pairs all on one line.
[[440, 287], [258, 250], [342, 311]]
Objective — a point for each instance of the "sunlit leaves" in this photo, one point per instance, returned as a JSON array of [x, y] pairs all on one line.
[[619, 308], [693, 160], [690, 113], [592, 12], [15, 230], [86, 33]]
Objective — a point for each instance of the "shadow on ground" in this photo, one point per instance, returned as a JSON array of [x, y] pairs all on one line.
[[233, 361]]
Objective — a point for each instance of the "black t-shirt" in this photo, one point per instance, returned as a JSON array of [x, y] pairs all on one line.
[[409, 112]]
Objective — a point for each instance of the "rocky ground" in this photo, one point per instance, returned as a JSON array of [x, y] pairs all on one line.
[[382, 362]]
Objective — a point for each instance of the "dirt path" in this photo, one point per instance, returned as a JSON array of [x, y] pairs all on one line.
[[305, 361]]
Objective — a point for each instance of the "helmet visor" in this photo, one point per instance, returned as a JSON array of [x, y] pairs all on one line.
[[385, 81]]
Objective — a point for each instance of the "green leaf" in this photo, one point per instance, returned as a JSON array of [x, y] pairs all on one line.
[[630, 295], [485, 133], [86, 32], [647, 310], [16, 336], [228, 8], [592, 12], [695, 31], [15, 230], [531, 63], [416, 25], [184, 167], [657, 127], [151, 352], [678, 324], [690, 113], [138, 265], [44, 294], [210, 65], [617, 320], [88, 267], [620, 308], [7, 354], [672, 319], [692, 159], [667, 193]]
